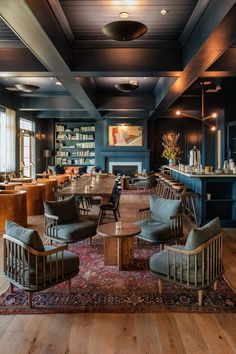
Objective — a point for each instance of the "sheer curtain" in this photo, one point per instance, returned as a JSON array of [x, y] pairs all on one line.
[[7, 140]]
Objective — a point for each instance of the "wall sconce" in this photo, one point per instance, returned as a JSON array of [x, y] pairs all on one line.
[[40, 136]]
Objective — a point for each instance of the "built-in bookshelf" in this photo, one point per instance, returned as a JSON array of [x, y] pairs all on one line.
[[74, 144]]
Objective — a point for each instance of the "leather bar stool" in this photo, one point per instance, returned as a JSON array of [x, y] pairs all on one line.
[[13, 207], [50, 186], [35, 197]]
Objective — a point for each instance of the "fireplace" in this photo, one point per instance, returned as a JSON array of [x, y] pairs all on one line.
[[125, 168]]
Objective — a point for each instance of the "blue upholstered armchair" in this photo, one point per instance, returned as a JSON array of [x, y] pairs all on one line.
[[64, 224], [197, 265], [162, 221], [31, 266]]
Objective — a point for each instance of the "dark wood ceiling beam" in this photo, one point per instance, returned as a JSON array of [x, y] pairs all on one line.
[[19, 16], [96, 62], [48, 103], [128, 103], [211, 37], [82, 115], [127, 60]]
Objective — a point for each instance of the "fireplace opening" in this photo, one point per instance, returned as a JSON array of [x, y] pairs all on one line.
[[127, 170]]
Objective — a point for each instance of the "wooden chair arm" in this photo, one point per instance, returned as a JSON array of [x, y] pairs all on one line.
[[144, 209], [176, 216], [54, 217], [194, 251], [32, 250]]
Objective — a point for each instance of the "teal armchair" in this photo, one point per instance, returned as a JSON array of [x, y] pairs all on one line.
[[162, 221], [31, 266], [197, 265], [63, 222]]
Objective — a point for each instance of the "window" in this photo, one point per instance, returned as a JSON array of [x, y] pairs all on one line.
[[27, 148], [7, 140]]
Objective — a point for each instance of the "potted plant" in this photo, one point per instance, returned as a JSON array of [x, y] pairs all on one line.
[[171, 150]]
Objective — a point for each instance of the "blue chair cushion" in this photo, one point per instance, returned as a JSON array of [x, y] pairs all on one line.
[[78, 230], [59, 170], [158, 265], [154, 231], [71, 265], [66, 209], [202, 234], [162, 209], [29, 237]]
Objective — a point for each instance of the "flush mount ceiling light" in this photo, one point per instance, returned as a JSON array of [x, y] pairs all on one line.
[[124, 15], [127, 86], [26, 87], [163, 12], [124, 30]]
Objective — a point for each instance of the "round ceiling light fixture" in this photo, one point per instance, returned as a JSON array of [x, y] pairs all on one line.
[[127, 86], [124, 30], [26, 87], [124, 15]]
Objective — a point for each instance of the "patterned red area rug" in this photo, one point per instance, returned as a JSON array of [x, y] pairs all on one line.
[[99, 288]]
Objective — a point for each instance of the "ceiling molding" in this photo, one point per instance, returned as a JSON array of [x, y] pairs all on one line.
[[62, 20], [193, 20], [16, 13]]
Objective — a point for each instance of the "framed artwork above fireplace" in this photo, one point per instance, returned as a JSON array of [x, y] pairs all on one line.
[[125, 135]]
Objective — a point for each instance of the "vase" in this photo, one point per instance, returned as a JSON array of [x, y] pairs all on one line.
[[172, 162]]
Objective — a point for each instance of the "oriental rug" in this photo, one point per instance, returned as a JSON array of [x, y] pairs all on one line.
[[99, 288]]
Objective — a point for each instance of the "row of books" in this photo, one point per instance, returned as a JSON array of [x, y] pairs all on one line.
[[61, 128], [77, 136], [81, 161]]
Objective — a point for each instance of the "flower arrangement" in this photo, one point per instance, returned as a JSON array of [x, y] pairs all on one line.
[[171, 149]]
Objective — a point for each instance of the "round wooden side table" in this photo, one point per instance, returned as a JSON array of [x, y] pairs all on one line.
[[118, 243], [13, 207]]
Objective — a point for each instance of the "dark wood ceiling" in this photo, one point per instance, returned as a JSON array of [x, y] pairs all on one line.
[[63, 40], [86, 18]]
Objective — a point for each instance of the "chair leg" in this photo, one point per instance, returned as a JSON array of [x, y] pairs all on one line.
[[137, 240], [115, 215], [200, 293], [160, 284], [69, 285], [90, 241], [11, 287], [215, 285], [30, 298], [100, 217]]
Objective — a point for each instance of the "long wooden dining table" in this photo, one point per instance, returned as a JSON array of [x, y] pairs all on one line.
[[91, 186]]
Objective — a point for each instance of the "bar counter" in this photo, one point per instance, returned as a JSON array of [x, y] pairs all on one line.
[[215, 195]]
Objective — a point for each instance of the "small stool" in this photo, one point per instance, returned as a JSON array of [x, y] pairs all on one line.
[[188, 198]]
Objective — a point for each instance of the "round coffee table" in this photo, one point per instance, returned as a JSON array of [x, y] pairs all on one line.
[[118, 243]]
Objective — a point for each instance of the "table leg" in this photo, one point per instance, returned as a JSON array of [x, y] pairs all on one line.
[[125, 252]]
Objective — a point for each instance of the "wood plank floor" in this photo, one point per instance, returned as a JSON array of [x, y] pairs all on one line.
[[167, 333]]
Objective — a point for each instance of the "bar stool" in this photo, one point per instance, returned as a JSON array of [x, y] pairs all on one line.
[[167, 187], [188, 198]]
